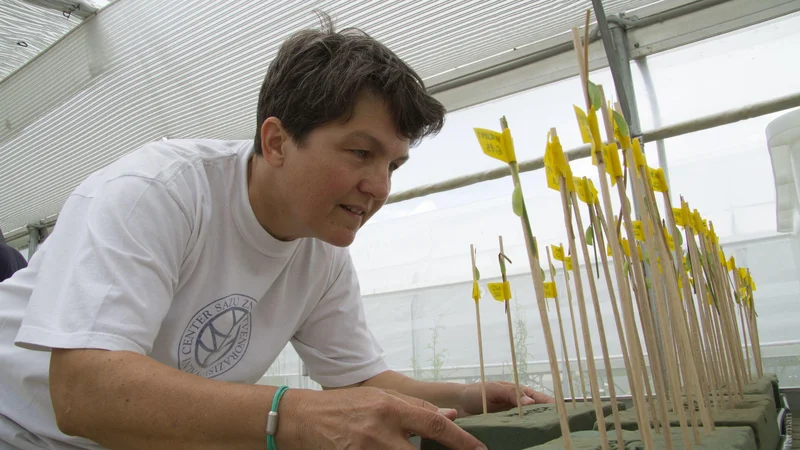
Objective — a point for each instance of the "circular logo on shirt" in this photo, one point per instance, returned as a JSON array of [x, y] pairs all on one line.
[[216, 338]]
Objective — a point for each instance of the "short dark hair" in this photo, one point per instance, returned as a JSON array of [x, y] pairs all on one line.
[[318, 74]]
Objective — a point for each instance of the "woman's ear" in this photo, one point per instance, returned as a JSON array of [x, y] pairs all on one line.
[[273, 136]]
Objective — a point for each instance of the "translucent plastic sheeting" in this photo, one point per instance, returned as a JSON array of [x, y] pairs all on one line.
[[711, 76], [431, 333]]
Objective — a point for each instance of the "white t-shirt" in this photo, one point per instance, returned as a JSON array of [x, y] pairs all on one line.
[[161, 254]]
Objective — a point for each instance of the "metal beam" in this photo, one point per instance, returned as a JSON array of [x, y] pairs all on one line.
[[615, 42], [33, 240]]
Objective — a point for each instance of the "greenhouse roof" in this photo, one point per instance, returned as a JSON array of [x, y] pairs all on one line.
[[91, 91]]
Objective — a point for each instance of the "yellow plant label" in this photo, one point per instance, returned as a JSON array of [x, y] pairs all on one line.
[[698, 222], [626, 247], [613, 167], [568, 262], [476, 291], [638, 230], [500, 291], [550, 290], [583, 125], [558, 252], [508, 144], [686, 216], [551, 172], [582, 188], [676, 213], [657, 179], [493, 145], [592, 191]]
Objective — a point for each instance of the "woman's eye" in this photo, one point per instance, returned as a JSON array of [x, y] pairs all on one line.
[[393, 167], [360, 153]]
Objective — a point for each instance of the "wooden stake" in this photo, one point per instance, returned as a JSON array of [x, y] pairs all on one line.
[[728, 338], [583, 54], [686, 355], [480, 338], [745, 332], [695, 339], [574, 329], [745, 319], [563, 339], [510, 328], [725, 297], [587, 340], [754, 327], [708, 311], [634, 371], [538, 284]]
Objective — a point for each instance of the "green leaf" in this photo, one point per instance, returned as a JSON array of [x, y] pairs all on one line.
[[649, 284], [552, 271], [477, 274], [678, 238], [594, 96], [516, 201], [589, 235], [621, 123], [627, 268]]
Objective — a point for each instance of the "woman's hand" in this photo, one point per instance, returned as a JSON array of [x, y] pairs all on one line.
[[500, 396], [365, 418]]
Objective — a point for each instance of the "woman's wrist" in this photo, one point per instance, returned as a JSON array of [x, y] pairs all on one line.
[[292, 416]]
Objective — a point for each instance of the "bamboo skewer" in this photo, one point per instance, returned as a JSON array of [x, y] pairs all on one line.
[[745, 331], [614, 238], [641, 293], [695, 339], [686, 355], [744, 336], [666, 332], [633, 370], [727, 299], [500, 257], [736, 386], [538, 283], [563, 339], [583, 55], [727, 305], [754, 327], [587, 341], [600, 327], [744, 305], [574, 328], [480, 337], [710, 316]]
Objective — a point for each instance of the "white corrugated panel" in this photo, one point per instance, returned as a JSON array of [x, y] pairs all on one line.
[[26, 30], [144, 69]]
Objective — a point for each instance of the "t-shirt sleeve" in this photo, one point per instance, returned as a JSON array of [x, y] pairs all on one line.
[[109, 270], [334, 342]]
